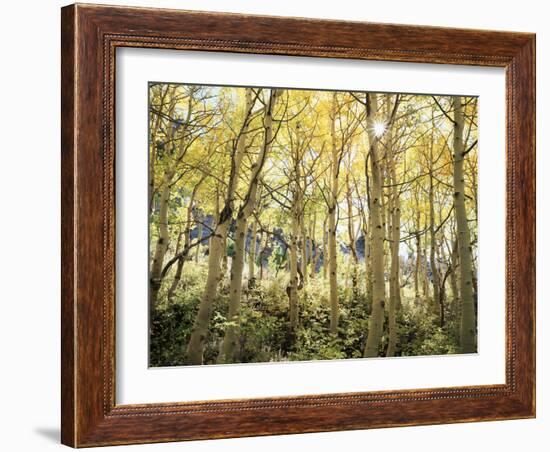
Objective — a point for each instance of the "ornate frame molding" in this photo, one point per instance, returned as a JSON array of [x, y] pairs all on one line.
[[90, 37]]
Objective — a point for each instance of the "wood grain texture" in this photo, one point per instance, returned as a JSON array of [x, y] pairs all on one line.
[[67, 226], [90, 36]]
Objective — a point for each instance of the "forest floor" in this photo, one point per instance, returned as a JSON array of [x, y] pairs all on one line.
[[265, 335]]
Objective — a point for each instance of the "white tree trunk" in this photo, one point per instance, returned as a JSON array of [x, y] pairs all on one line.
[[468, 321], [376, 321]]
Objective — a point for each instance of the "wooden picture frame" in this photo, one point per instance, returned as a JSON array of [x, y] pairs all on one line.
[[90, 36]]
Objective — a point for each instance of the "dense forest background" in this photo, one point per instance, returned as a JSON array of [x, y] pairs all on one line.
[[299, 225]]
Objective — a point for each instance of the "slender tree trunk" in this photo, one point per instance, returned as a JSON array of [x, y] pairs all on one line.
[[225, 260], [187, 240], [162, 243], [333, 205], [436, 280], [354, 261], [468, 320], [424, 266], [179, 152], [262, 255], [199, 333], [200, 328], [351, 228], [176, 280], [153, 151], [314, 247], [442, 293], [455, 306], [376, 321], [199, 237], [325, 248], [333, 268], [366, 238], [395, 284], [229, 346], [293, 262], [303, 233], [179, 269], [252, 251], [368, 268], [418, 256]]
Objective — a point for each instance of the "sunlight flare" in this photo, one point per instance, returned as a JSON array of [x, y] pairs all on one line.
[[379, 128]]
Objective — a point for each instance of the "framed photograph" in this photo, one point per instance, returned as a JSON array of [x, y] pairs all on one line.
[[281, 225]]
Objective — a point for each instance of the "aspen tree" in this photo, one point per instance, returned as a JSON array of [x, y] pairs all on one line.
[[468, 321], [376, 321], [229, 345], [195, 348]]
